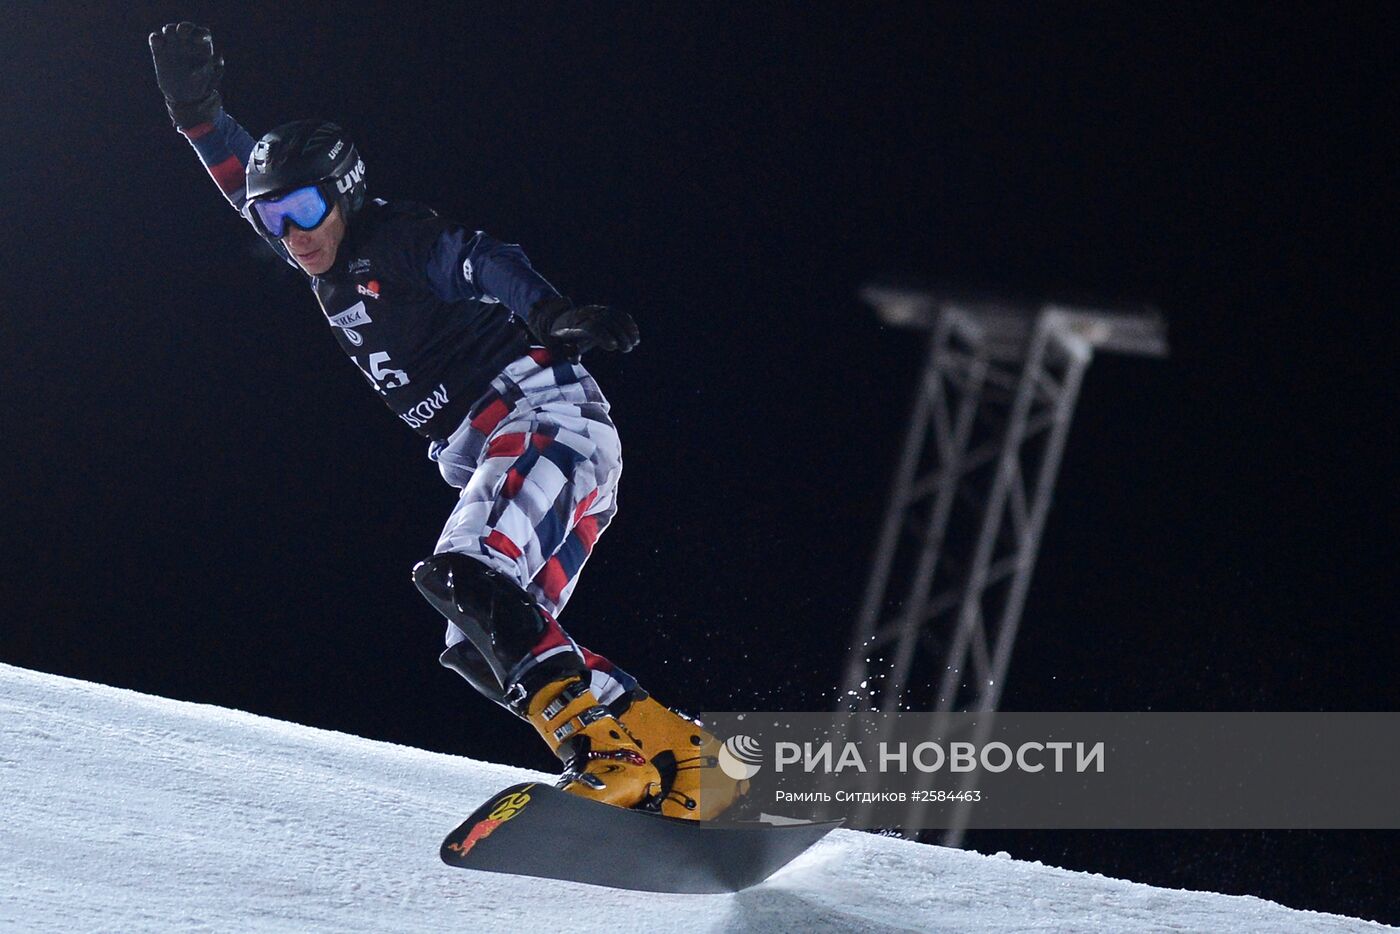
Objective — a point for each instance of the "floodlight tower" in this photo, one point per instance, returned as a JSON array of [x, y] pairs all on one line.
[[991, 414]]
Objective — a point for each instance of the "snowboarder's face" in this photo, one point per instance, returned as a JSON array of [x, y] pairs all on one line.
[[314, 250]]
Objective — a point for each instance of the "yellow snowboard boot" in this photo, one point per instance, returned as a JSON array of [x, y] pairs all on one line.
[[601, 761], [685, 755]]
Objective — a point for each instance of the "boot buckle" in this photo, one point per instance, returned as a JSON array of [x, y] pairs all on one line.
[[591, 715]]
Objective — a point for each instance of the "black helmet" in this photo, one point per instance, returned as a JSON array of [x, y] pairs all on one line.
[[307, 152]]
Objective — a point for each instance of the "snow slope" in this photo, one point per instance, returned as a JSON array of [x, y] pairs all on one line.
[[124, 812]]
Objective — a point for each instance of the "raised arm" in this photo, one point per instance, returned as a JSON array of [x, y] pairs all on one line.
[[188, 73]]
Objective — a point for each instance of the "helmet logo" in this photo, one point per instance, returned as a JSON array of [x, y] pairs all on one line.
[[351, 178], [335, 150]]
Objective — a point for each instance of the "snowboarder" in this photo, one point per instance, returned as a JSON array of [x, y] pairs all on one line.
[[476, 352]]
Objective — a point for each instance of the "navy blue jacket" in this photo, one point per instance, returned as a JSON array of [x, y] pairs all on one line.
[[429, 310]]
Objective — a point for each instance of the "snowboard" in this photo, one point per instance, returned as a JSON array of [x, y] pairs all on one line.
[[533, 829]]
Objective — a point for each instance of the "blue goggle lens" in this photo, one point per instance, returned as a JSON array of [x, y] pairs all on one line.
[[305, 207]]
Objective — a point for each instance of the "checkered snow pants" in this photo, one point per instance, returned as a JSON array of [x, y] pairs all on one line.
[[537, 461]]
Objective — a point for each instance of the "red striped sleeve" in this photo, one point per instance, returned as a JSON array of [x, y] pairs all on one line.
[[228, 174]]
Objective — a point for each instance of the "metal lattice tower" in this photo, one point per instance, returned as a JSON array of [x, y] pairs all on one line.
[[971, 493]]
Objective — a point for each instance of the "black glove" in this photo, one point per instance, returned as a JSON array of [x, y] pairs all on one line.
[[561, 327], [188, 73]]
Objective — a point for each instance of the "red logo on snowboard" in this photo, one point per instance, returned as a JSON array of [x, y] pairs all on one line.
[[504, 810]]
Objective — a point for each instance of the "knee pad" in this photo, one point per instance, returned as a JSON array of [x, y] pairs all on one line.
[[502, 621], [464, 659]]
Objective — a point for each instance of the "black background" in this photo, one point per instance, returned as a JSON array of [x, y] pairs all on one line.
[[203, 500]]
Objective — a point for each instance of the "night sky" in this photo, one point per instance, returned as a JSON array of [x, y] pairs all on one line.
[[204, 500]]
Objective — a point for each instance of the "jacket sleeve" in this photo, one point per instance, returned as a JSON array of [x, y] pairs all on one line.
[[471, 265], [225, 147]]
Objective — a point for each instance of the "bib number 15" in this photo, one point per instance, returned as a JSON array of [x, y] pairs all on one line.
[[380, 374]]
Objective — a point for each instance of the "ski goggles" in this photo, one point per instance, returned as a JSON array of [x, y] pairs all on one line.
[[306, 207]]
